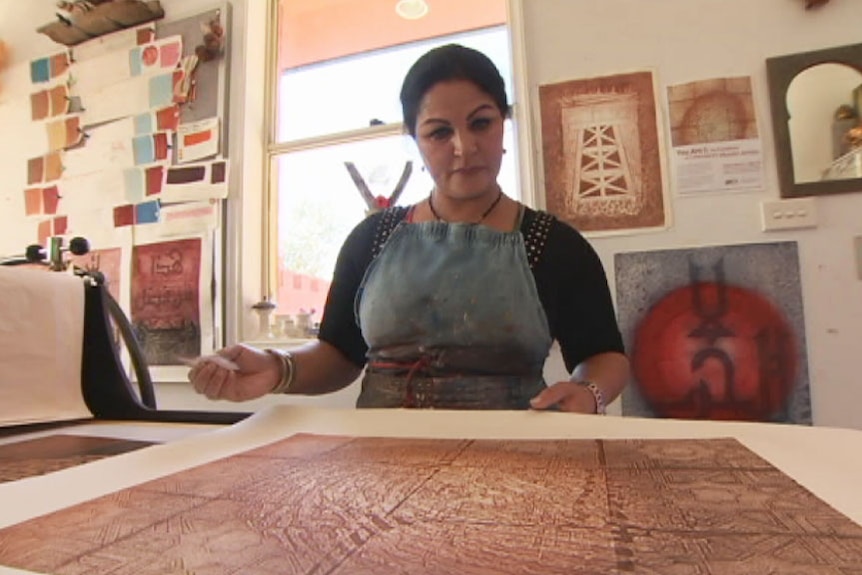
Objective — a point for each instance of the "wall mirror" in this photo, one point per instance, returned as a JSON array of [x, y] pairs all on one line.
[[816, 104]]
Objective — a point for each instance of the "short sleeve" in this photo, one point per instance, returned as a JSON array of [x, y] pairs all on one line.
[[338, 325], [574, 291]]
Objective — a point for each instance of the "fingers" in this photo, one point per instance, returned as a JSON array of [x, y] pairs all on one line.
[[211, 380], [552, 395], [567, 395], [202, 367], [231, 353]]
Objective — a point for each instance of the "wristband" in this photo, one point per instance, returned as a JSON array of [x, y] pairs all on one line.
[[288, 370]]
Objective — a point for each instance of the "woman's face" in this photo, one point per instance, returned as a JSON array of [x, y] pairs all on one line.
[[459, 131]]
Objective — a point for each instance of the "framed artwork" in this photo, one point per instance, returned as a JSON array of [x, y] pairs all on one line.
[[715, 333], [602, 153]]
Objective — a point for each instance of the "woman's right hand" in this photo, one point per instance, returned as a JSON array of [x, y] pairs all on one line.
[[259, 372]]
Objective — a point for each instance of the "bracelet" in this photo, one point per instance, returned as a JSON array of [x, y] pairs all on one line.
[[597, 395], [288, 370]]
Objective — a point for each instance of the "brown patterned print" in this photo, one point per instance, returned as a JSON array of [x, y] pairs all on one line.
[[716, 110], [55, 452], [341, 505], [601, 150]]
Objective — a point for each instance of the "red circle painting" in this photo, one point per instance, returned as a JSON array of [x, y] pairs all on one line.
[[150, 55], [714, 351]]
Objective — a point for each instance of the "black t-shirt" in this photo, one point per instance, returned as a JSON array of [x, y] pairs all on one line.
[[569, 277]]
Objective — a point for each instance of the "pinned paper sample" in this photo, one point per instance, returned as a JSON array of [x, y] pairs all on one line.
[[715, 333], [49, 228], [104, 153], [198, 140], [45, 168], [59, 99], [714, 133], [156, 56], [147, 212], [40, 105], [64, 133], [602, 152], [165, 307], [136, 214], [189, 217], [41, 201], [33, 139], [124, 216], [150, 148], [47, 103], [195, 182], [97, 190], [113, 42], [161, 89], [46, 69], [166, 119], [136, 95], [101, 73], [153, 178], [142, 182]]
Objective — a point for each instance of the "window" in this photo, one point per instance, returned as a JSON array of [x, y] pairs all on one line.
[[337, 72]]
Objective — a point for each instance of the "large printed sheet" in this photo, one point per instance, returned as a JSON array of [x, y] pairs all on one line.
[[492, 492], [41, 338]]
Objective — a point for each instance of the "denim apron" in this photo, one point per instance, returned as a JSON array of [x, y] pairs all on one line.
[[452, 319]]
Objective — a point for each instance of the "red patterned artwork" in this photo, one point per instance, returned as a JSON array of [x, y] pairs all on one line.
[[341, 505], [690, 368], [715, 333], [165, 299]]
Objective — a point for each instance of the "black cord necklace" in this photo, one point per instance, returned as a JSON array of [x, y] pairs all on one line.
[[481, 218]]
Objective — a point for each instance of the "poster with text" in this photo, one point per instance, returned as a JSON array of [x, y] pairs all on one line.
[[716, 146], [715, 333]]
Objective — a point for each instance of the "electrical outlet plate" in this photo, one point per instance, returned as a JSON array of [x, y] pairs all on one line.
[[790, 214]]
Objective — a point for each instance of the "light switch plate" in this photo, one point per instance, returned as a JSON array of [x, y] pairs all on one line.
[[790, 214]]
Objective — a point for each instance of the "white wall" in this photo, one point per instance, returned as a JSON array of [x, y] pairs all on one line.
[[682, 40], [686, 40]]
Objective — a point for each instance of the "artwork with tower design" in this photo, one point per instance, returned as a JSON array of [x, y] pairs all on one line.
[[602, 154]]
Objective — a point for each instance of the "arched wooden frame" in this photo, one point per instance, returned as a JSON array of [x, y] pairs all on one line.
[[780, 72]]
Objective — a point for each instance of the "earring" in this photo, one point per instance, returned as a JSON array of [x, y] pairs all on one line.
[[504, 150]]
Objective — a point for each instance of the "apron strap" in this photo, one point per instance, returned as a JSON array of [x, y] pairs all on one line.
[[390, 219], [535, 236]]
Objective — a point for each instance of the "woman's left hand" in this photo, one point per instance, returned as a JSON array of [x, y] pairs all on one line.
[[568, 396]]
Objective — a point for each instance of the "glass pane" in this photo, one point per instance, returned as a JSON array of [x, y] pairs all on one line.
[[348, 93], [318, 206]]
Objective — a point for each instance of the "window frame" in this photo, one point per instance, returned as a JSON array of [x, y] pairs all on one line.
[[272, 148]]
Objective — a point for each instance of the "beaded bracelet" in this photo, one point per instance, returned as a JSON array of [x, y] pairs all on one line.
[[288, 370], [597, 395]]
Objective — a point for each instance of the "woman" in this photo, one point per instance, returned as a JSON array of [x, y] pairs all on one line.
[[453, 302]]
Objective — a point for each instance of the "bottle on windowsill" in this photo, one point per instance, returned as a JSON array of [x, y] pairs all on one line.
[[264, 309]]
